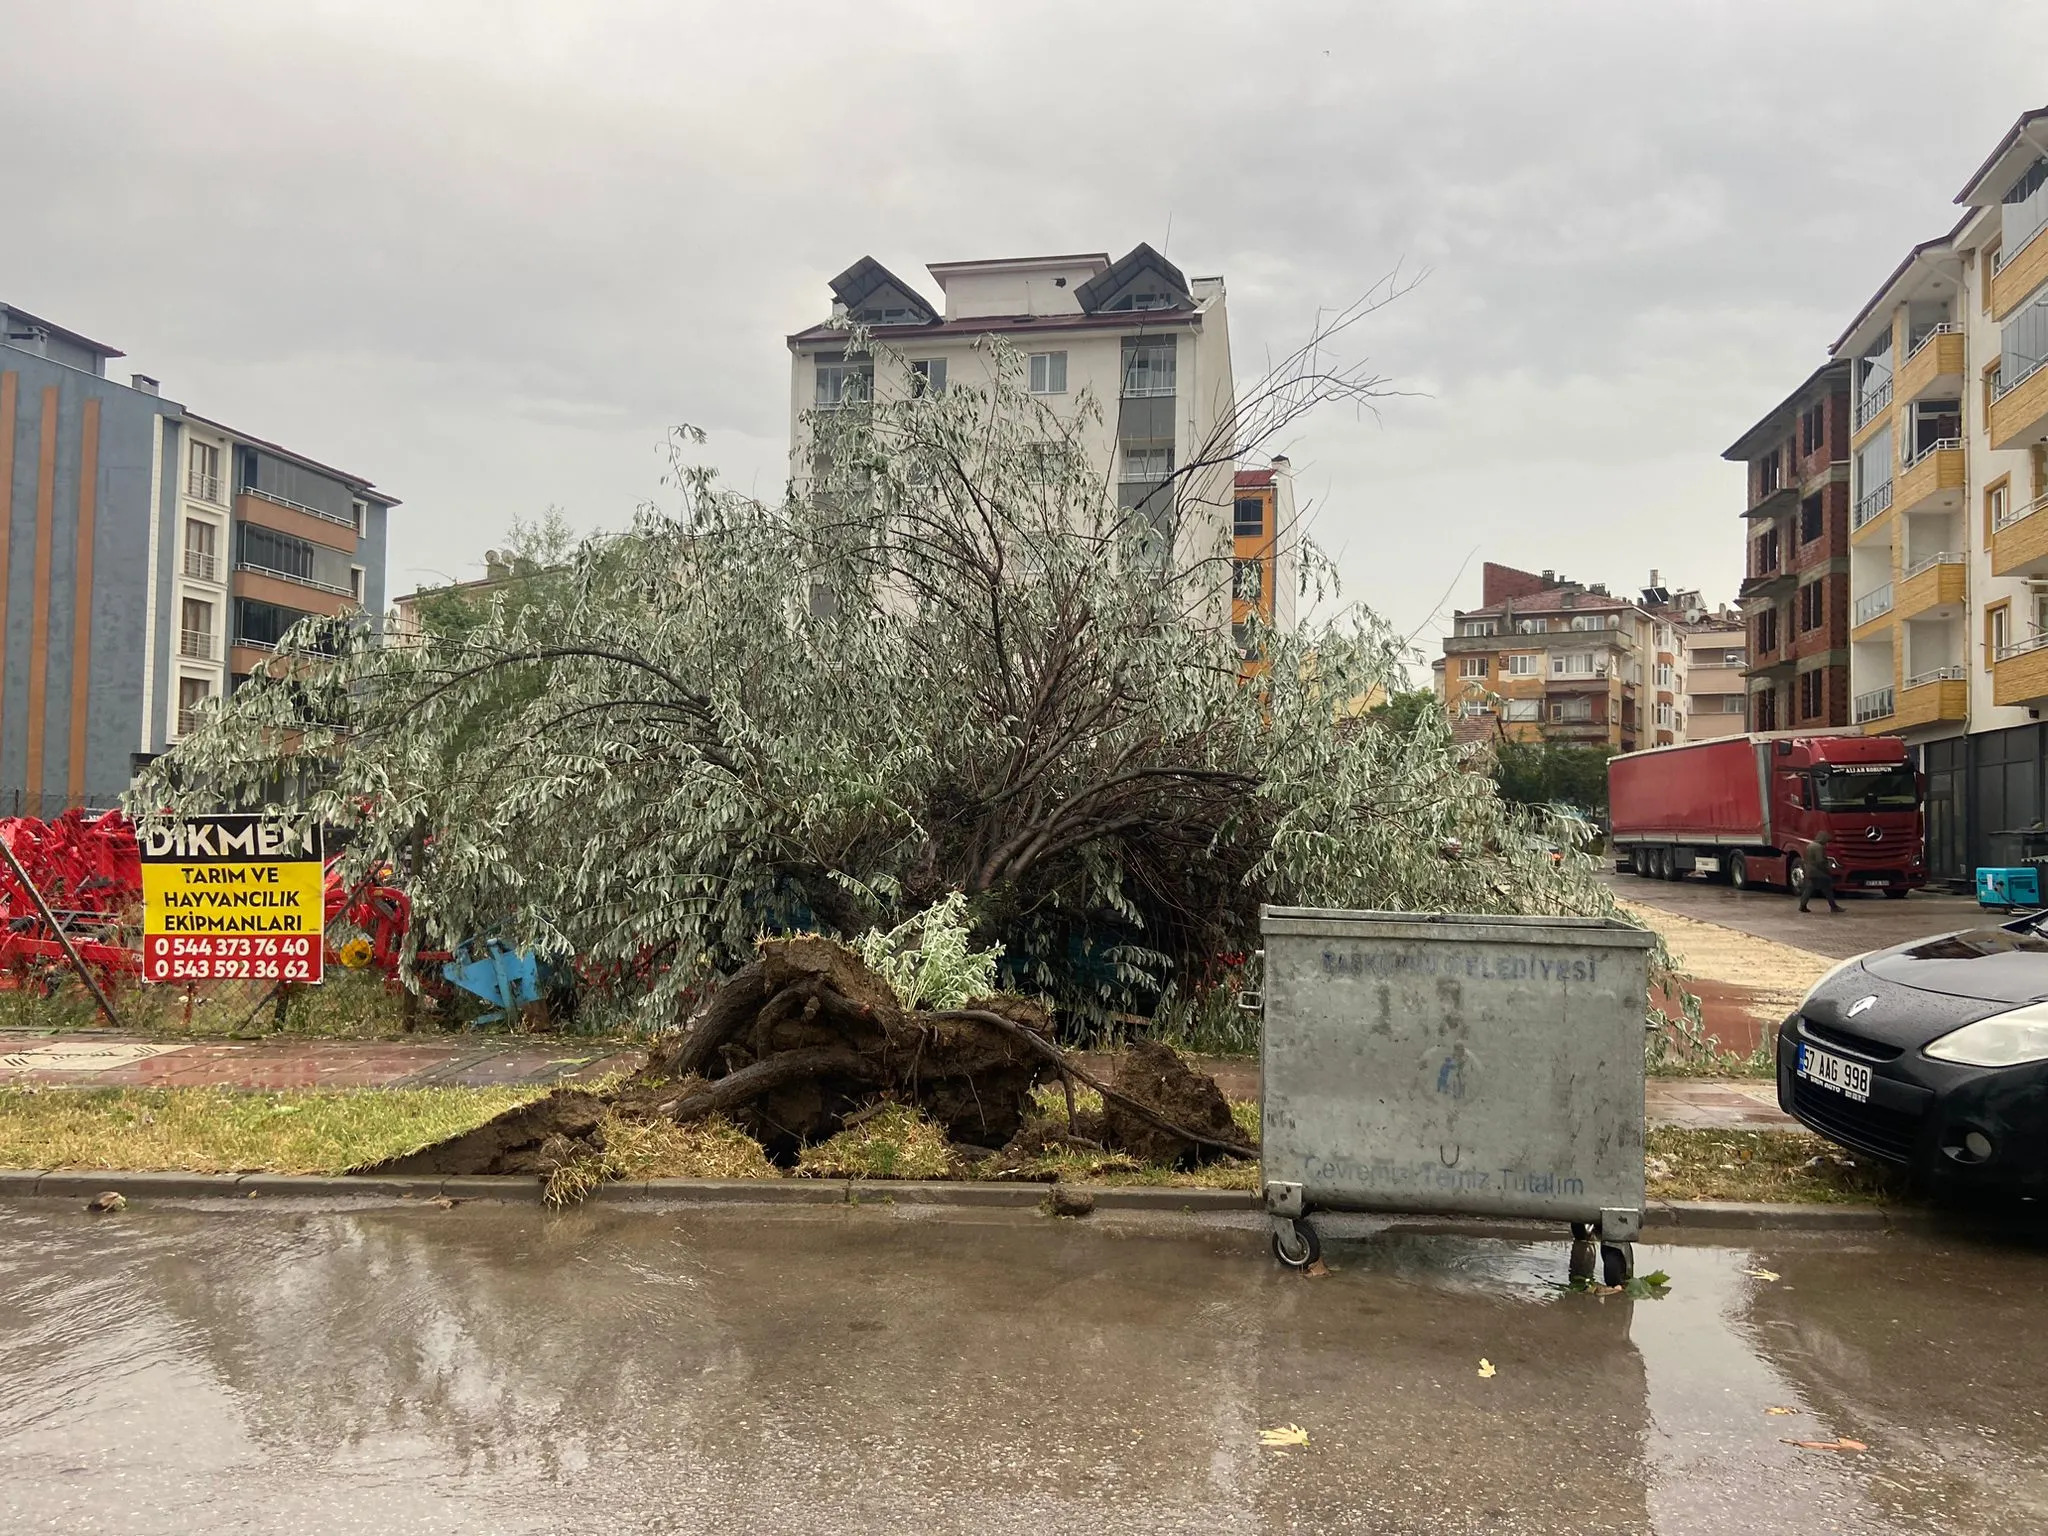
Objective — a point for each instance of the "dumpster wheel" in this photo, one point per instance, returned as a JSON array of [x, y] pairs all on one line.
[[1297, 1246], [1617, 1263]]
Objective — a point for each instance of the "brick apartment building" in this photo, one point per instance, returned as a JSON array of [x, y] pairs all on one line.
[[1550, 659], [1795, 590]]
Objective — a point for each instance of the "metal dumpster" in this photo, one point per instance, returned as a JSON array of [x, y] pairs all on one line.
[[1465, 1065]]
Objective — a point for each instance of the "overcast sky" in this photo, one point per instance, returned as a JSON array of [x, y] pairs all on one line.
[[487, 254]]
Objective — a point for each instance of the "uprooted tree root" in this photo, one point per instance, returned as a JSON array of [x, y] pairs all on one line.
[[807, 1040]]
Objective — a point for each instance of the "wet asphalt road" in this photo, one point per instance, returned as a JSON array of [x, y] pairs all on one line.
[[1866, 922], [868, 1370]]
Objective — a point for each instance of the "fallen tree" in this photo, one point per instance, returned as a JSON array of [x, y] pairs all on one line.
[[806, 1039]]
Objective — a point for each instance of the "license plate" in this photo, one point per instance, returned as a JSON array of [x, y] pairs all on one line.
[[1851, 1079]]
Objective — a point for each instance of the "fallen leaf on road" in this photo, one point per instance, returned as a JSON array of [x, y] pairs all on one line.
[[1486, 1368], [1781, 1410], [444, 1202], [1829, 1445], [107, 1200], [1317, 1268], [1286, 1434], [1761, 1274]]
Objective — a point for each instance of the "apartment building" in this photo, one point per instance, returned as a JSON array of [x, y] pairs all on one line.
[[1551, 659], [1714, 661], [1146, 344], [151, 556], [1794, 597], [1948, 541], [1262, 521]]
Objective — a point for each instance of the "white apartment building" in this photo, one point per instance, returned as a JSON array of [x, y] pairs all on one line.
[[1948, 553], [1713, 660], [1149, 346]]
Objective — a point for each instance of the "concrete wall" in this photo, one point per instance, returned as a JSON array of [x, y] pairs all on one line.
[[82, 486]]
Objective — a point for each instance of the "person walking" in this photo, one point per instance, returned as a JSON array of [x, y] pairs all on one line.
[[1819, 871]]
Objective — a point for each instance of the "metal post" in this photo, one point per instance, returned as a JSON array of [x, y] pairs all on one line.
[[63, 938]]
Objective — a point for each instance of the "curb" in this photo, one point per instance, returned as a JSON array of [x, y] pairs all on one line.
[[1685, 1215]]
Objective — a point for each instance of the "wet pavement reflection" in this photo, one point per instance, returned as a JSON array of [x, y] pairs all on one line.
[[879, 1369]]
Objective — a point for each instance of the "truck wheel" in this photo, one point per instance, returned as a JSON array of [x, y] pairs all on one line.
[[1738, 871], [1669, 867]]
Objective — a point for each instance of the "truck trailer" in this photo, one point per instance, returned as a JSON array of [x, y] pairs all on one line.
[[1741, 809]]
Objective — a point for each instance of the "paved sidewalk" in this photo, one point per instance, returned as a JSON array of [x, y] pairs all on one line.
[[107, 1061]]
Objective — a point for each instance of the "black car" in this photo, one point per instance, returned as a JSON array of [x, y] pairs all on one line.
[[1932, 1055]]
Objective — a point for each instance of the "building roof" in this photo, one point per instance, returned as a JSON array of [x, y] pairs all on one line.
[[1253, 479], [1553, 600], [988, 325], [1941, 244], [367, 487], [945, 269], [1829, 378], [1975, 189], [13, 312], [1141, 259], [868, 277]]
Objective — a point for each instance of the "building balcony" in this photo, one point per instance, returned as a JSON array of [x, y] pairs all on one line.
[[1582, 682], [1872, 708], [2018, 416], [1776, 502], [1933, 482], [2019, 273], [1465, 645], [1772, 582], [200, 566], [283, 515], [2019, 540], [1872, 411], [1870, 616], [2019, 672], [1934, 587], [204, 488], [289, 591], [1577, 730], [197, 645], [1934, 366], [1929, 698], [1870, 520]]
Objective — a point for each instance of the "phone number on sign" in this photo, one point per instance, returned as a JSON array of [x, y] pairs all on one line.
[[226, 958]]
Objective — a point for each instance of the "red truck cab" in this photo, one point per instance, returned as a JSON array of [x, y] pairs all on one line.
[[1743, 808]]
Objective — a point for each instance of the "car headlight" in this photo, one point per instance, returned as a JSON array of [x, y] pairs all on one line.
[[2003, 1040], [1813, 990]]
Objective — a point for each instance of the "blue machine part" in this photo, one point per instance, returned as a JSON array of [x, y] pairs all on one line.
[[2019, 886], [508, 978]]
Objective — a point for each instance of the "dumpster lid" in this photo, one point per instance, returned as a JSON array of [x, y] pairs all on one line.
[[1331, 922]]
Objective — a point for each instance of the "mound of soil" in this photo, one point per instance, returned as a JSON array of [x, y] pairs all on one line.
[[804, 1037], [1153, 1075]]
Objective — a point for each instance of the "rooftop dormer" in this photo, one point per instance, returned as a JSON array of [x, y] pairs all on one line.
[[1016, 285]]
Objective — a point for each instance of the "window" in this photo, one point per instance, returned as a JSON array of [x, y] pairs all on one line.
[[1478, 627], [1474, 709], [202, 560], [1149, 367], [1575, 664], [1766, 552], [192, 693], [195, 629], [1766, 718], [1528, 626], [1248, 582], [1665, 674], [203, 477], [1141, 298], [277, 553], [1147, 465], [1767, 475], [1666, 717], [927, 376], [1472, 666], [355, 584], [360, 511], [1576, 711], [1989, 266], [2023, 341], [1811, 606], [841, 381], [1766, 629], [1997, 631], [1997, 503], [1813, 694], [1048, 373], [1250, 523], [1813, 430], [1812, 519], [262, 625], [1525, 709], [1523, 664]]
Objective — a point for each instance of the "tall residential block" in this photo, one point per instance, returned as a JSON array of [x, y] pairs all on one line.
[[1795, 595], [1949, 528], [151, 557], [1150, 347]]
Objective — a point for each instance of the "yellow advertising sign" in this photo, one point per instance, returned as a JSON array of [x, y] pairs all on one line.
[[232, 898]]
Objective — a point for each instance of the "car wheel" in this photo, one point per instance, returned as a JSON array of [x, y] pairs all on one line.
[[1738, 871]]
